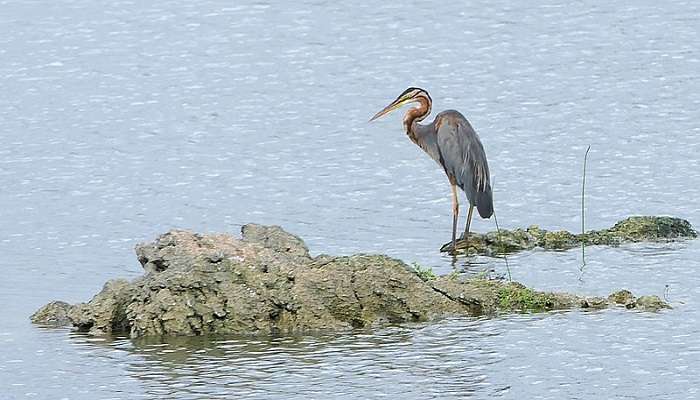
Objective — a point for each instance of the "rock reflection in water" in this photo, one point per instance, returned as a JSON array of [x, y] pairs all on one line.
[[449, 360]]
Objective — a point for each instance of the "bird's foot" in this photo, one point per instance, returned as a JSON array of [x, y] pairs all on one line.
[[449, 248]]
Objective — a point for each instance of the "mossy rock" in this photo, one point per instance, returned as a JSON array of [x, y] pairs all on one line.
[[514, 296], [512, 241], [54, 313], [601, 238], [622, 297], [650, 303], [424, 273], [505, 241], [632, 229], [267, 283], [646, 228], [558, 240]]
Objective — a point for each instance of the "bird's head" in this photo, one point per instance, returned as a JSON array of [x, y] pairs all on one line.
[[410, 95]]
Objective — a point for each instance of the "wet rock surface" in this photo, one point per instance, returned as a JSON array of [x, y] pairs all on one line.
[[267, 282], [54, 313], [645, 303], [630, 230]]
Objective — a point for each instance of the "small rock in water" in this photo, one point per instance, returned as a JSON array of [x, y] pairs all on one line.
[[623, 297], [54, 313], [650, 303]]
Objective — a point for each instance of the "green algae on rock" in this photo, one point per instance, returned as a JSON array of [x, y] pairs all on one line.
[[267, 282], [518, 297], [632, 229], [425, 273]]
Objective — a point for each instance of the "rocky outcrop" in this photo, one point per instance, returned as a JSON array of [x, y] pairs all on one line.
[[267, 282], [632, 229], [54, 314]]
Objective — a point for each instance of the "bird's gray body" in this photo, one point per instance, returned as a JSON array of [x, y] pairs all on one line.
[[451, 141]]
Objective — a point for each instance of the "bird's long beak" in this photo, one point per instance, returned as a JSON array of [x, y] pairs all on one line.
[[391, 107]]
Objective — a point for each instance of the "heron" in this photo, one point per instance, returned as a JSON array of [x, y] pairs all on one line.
[[451, 141]]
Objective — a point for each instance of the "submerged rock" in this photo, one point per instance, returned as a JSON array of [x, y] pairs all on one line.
[[267, 282], [632, 229]]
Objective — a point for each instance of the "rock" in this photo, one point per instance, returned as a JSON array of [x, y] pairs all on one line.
[[632, 229], [484, 297], [106, 312], [622, 297], [643, 303], [54, 313], [595, 303], [275, 238], [650, 303], [558, 240], [644, 228], [266, 283]]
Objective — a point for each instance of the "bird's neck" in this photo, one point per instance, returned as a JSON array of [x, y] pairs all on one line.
[[416, 114]]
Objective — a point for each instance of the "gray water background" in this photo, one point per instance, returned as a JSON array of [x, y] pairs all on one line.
[[121, 120]]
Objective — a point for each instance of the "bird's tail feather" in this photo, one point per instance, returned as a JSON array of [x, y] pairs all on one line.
[[484, 203]]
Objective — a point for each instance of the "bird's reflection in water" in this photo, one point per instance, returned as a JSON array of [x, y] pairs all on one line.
[[478, 267]]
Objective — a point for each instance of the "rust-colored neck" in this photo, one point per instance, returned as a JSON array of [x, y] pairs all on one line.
[[417, 114]]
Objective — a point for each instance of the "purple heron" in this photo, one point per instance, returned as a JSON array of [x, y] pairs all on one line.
[[451, 141]]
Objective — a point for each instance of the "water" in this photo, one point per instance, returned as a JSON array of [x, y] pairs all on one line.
[[120, 120]]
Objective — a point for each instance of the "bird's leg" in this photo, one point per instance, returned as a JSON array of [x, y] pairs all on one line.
[[469, 221], [455, 214], [465, 237]]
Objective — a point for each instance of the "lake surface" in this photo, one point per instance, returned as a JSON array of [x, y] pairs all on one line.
[[121, 120]]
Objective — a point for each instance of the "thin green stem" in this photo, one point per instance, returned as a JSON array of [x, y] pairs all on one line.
[[498, 231], [583, 210]]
